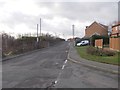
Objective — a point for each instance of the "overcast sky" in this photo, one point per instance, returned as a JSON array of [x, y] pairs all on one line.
[[21, 16]]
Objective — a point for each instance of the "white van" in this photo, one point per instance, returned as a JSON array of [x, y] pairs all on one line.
[[83, 43]]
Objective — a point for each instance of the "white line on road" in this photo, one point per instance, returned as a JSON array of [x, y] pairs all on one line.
[[56, 81], [65, 62], [63, 66]]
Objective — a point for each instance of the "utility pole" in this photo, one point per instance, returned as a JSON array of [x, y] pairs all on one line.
[[73, 30], [40, 29], [37, 37], [73, 26]]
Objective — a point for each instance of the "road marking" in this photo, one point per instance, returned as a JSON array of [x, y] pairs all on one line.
[[63, 66], [56, 81], [65, 61]]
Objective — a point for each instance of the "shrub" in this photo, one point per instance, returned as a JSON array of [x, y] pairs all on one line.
[[100, 52], [91, 50], [108, 52]]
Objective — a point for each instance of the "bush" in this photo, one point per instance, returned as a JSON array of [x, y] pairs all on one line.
[[100, 52], [108, 52], [91, 50]]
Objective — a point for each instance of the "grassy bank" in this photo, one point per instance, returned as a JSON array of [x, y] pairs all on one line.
[[104, 59]]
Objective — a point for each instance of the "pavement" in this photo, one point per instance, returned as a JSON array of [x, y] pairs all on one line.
[[74, 57]]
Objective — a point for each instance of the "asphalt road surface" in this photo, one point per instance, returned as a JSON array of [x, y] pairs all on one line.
[[36, 70], [78, 76], [50, 68]]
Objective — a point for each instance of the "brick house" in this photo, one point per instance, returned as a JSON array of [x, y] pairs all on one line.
[[115, 37], [116, 29], [96, 29]]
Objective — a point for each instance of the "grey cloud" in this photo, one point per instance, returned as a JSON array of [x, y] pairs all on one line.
[[81, 11], [19, 18], [72, 10], [105, 12], [89, 11], [14, 19]]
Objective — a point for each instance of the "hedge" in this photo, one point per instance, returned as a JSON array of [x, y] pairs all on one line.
[[94, 37]]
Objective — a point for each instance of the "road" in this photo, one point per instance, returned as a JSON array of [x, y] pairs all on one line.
[[36, 70], [78, 76], [50, 68]]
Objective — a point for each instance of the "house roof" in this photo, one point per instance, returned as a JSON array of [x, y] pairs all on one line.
[[101, 25]]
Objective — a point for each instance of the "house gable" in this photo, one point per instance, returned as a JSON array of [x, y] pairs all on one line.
[[95, 34], [96, 28], [99, 24]]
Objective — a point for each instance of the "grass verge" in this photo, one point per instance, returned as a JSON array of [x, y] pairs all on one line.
[[103, 59]]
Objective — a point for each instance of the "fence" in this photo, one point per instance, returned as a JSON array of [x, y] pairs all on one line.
[[99, 43], [115, 44]]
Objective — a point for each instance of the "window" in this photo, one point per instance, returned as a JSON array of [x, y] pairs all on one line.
[[116, 28]]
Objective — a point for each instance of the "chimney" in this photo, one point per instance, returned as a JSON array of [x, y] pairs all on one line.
[[86, 26]]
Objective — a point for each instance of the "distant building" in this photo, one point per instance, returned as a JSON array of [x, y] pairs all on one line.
[[70, 39], [96, 29]]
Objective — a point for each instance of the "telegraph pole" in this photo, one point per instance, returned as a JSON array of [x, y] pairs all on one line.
[[73, 31], [73, 26], [37, 36], [40, 29]]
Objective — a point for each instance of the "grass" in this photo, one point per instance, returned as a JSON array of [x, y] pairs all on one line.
[[103, 59]]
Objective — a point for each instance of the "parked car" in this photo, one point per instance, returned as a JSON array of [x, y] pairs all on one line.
[[83, 43]]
